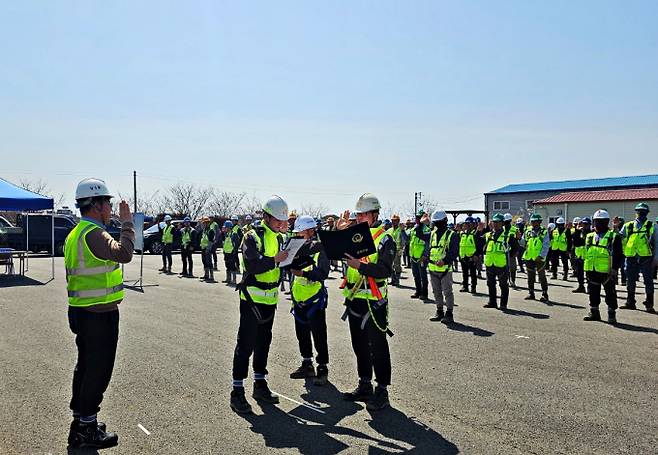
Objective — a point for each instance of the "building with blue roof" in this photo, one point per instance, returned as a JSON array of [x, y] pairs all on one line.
[[518, 198]]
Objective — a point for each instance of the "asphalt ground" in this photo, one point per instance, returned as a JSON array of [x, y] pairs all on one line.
[[535, 380]]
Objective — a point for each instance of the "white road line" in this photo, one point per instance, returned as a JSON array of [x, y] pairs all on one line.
[[300, 403], [148, 433], [522, 336]]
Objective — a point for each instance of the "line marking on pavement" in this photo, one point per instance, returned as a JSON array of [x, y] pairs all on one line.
[[522, 336], [316, 409], [148, 433]]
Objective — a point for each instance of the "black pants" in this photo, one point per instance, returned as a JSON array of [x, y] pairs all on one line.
[[578, 265], [405, 256], [206, 258], [213, 250], [519, 259], [96, 336], [253, 338], [469, 269], [502, 274], [317, 327], [231, 262], [186, 257], [595, 281], [635, 266], [166, 255], [370, 344], [556, 256], [419, 271]]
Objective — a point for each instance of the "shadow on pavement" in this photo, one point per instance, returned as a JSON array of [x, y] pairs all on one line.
[[635, 328], [568, 305], [478, 332], [526, 313], [71, 451], [18, 281], [394, 424]]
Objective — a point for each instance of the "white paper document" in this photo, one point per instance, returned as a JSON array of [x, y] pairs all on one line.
[[292, 248]]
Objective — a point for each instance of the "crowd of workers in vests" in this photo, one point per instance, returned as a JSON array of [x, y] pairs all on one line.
[[431, 244]]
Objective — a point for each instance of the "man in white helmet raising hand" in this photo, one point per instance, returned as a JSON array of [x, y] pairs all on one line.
[[366, 300], [261, 252], [94, 282]]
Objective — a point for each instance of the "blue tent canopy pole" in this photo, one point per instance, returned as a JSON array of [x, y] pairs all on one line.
[[15, 198]]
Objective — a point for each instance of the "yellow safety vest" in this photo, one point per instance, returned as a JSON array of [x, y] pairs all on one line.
[[438, 249], [353, 275], [168, 235], [495, 253], [228, 246], [265, 288], [534, 243], [559, 240], [89, 280], [466, 244], [204, 239], [396, 233], [416, 244], [304, 289], [186, 237], [598, 252], [637, 242]]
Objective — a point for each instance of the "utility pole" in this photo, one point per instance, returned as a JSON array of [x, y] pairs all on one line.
[[135, 190], [418, 197]]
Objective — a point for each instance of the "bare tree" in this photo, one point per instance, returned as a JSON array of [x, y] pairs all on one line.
[[226, 203], [187, 199], [41, 187], [147, 203], [251, 205], [316, 210]]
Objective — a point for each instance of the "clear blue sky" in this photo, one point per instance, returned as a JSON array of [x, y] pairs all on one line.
[[322, 101]]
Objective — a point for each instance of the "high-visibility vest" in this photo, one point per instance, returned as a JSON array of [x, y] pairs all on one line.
[[559, 240], [495, 253], [228, 246], [416, 244], [89, 280], [579, 251], [534, 243], [204, 239], [304, 289], [186, 236], [637, 242], [396, 233], [168, 234], [510, 233], [265, 286], [466, 244], [598, 252], [353, 275], [438, 249]]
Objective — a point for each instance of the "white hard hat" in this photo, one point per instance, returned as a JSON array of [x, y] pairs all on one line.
[[92, 187], [234, 218], [276, 207], [167, 218], [439, 215], [368, 202], [507, 217], [551, 226], [352, 216], [560, 220], [576, 220], [248, 218], [601, 215], [303, 223]]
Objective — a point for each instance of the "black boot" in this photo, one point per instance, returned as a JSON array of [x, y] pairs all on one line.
[[594, 315], [239, 402], [579, 290], [379, 400], [447, 319], [263, 393], [321, 375], [544, 297], [305, 370], [72, 430], [363, 392], [464, 289], [490, 305], [91, 435], [629, 305], [439, 315], [612, 319], [473, 290], [530, 296]]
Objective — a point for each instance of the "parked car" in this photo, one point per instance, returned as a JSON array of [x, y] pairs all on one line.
[[40, 232], [153, 237]]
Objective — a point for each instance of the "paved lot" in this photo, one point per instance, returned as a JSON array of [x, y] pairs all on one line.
[[537, 380]]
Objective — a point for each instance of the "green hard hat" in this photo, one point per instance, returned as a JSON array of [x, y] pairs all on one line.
[[657, 219], [420, 213], [642, 206], [498, 218], [536, 217]]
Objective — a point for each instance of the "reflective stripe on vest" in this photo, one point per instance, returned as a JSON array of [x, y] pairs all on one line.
[[637, 242], [89, 280], [466, 244], [534, 243], [438, 250], [559, 240], [228, 246], [186, 237], [396, 233], [168, 235], [353, 275], [598, 257], [204, 239], [269, 247], [416, 244], [304, 289], [496, 250]]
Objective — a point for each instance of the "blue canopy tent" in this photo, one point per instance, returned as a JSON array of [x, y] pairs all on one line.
[[15, 198]]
